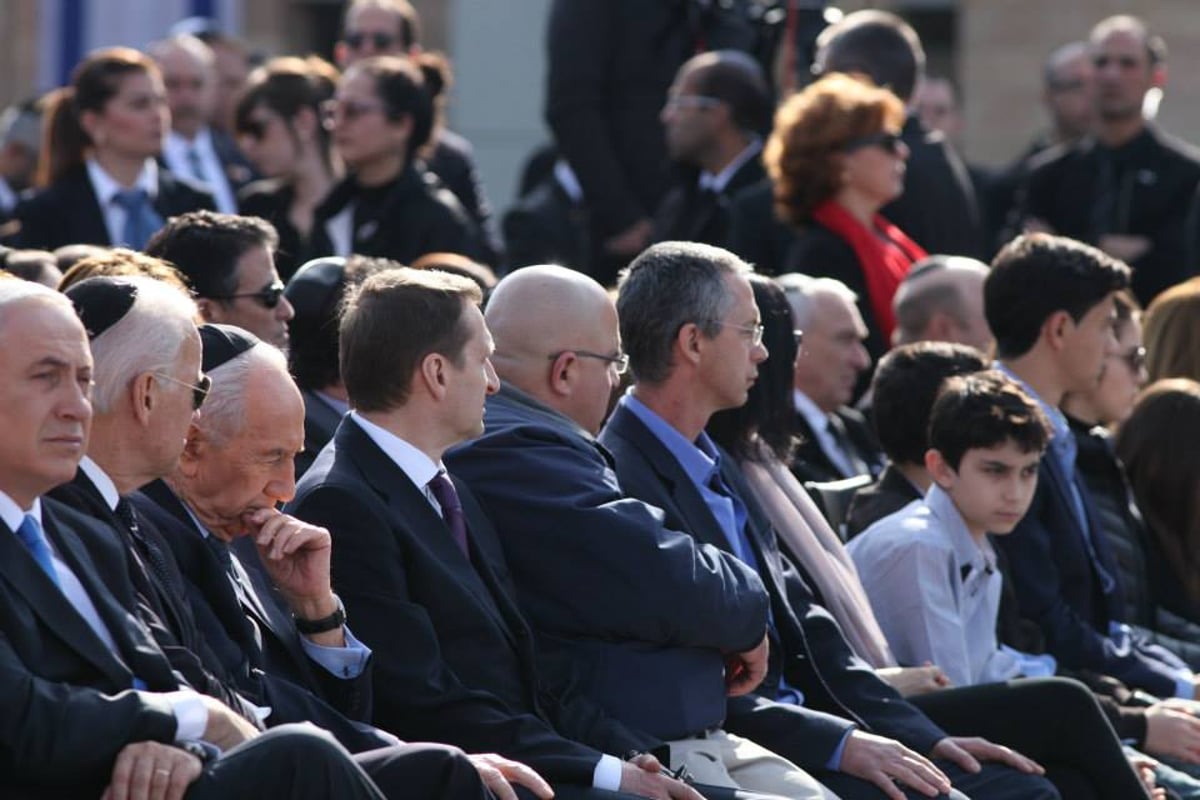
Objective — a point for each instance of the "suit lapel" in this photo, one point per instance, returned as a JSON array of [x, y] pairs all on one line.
[[407, 503], [88, 217]]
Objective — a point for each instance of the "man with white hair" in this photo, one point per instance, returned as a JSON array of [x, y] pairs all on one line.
[[193, 148], [941, 300], [95, 705], [836, 440]]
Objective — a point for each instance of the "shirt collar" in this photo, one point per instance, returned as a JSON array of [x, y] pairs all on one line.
[[1060, 428], [12, 514], [201, 143], [103, 483], [336, 403], [106, 186], [981, 556], [8, 198], [817, 419], [718, 182], [567, 180], [699, 459], [419, 467]]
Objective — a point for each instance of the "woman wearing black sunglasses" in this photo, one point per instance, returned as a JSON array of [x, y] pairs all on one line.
[[389, 206], [279, 128], [835, 158]]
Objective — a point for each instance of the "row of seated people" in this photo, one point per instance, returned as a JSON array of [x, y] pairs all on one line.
[[561, 598]]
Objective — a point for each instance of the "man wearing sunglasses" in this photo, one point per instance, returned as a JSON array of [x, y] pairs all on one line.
[[1127, 190], [229, 262]]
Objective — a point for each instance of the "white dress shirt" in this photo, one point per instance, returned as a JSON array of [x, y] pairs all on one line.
[[106, 187], [177, 155], [421, 469], [191, 716], [719, 181]]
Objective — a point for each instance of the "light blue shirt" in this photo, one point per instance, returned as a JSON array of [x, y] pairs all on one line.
[[700, 461], [936, 592]]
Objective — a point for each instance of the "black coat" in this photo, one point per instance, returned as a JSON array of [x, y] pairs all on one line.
[[688, 214], [810, 463], [418, 216], [454, 658], [546, 226], [67, 211]]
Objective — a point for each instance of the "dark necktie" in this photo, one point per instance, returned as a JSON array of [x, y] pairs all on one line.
[[447, 497], [196, 165], [841, 439], [148, 551], [141, 220], [31, 535], [1105, 197]]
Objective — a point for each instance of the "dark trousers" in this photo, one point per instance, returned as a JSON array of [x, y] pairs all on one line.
[[294, 761], [423, 772], [1055, 721]]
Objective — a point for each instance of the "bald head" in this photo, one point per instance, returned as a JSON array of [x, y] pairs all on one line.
[[189, 73], [556, 339], [942, 300]]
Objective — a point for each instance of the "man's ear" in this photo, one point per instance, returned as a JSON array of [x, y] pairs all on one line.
[[1056, 327], [432, 374], [209, 309], [562, 374], [689, 342], [143, 396], [194, 449], [939, 469]]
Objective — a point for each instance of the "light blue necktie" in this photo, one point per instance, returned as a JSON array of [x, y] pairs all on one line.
[[31, 535], [141, 220]]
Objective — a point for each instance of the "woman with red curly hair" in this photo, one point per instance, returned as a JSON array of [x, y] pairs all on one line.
[[835, 158]]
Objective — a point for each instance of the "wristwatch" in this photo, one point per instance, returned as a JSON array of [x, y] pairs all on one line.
[[331, 623]]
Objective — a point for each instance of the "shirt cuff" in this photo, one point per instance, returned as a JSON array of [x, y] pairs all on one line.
[[1185, 686], [608, 774], [346, 662], [835, 761], [191, 715]]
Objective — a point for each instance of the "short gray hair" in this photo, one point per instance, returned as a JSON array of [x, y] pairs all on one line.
[[224, 413], [14, 291], [668, 286], [930, 287], [802, 291], [147, 339]]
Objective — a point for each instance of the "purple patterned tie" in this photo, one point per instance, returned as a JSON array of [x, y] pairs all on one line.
[[447, 497]]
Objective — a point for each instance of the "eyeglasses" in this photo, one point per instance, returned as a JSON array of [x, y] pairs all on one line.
[[891, 142], [621, 361], [254, 128], [691, 101], [381, 41], [755, 331], [350, 110], [199, 390], [1135, 358], [1124, 62], [268, 296]]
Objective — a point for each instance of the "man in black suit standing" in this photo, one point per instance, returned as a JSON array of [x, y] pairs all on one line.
[[419, 564], [836, 441], [91, 699], [714, 116], [693, 334]]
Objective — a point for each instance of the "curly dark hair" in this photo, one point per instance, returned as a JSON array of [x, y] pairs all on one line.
[[804, 152]]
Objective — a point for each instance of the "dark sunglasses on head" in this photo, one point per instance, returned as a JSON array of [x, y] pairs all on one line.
[[268, 296], [381, 41], [884, 139]]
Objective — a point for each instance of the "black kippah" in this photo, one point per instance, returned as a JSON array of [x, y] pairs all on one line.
[[223, 343], [312, 288], [102, 302]]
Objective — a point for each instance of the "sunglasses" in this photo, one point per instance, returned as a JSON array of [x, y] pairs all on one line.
[[268, 296], [348, 110], [381, 41], [891, 142], [199, 390]]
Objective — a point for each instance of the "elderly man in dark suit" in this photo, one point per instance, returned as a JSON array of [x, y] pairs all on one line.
[[91, 699], [419, 564], [613, 593], [692, 331]]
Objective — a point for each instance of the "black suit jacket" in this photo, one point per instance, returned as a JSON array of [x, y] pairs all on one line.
[[454, 658], [249, 629], [320, 421], [1157, 175], [688, 214], [453, 161], [1058, 589], [808, 649], [617, 596], [810, 463], [68, 212], [870, 504], [68, 701], [546, 226]]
